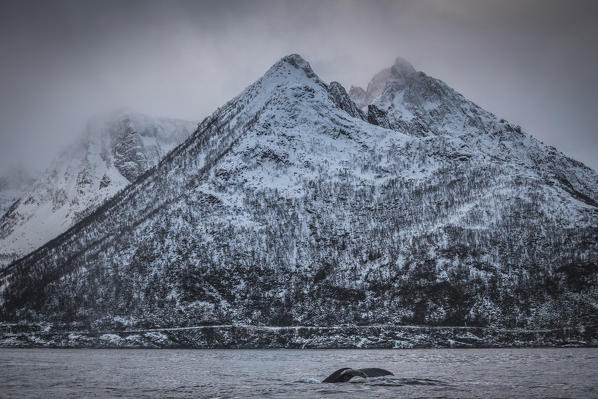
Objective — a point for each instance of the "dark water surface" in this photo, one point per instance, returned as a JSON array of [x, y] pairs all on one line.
[[425, 373]]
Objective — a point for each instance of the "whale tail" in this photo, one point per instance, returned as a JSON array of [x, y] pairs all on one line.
[[375, 372]]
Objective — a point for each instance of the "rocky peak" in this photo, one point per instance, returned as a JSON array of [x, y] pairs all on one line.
[[295, 60], [419, 105], [399, 74], [402, 68], [287, 67]]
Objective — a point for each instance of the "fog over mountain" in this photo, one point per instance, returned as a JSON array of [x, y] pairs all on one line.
[[110, 153], [531, 62]]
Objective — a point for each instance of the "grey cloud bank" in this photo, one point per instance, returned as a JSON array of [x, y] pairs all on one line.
[[531, 62]]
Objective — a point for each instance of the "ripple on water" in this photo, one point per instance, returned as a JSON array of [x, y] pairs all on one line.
[[498, 373]]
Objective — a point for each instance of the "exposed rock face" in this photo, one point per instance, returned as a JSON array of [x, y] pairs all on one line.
[[377, 117], [113, 152], [343, 101], [129, 158], [283, 208]]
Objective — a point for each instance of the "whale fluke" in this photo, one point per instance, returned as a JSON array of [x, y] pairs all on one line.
[[375, 372], [346, 373]]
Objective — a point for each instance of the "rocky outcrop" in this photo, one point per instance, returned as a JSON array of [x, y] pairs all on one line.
[[377, 117], [343, 101]]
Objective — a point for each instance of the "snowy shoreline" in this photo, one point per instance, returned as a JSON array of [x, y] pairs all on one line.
[[308, 337]]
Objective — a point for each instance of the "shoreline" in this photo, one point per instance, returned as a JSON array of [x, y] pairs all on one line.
[[302, 337]]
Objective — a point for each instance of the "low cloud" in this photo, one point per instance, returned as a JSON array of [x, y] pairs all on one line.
[[532, 62]]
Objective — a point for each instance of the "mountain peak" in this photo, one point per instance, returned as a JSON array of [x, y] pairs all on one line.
[[291, 63], [400, 72], [295, 60], [98, 123], [402, 67]]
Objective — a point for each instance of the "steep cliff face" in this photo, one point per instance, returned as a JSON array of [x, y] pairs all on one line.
[[288, 206], [114, 150], [342, 100]]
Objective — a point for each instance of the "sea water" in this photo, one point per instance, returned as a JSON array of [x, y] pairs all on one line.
[[422, 373]]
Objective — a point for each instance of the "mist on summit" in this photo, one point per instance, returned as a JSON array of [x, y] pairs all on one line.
[[531, 62]]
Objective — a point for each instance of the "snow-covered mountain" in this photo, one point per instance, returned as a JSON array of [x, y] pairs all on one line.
[[291, 205], [402, 99], [113, 151]]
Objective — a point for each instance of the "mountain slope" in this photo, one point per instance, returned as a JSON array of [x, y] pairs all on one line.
[[114, 150], [289, 205], [405, 100]]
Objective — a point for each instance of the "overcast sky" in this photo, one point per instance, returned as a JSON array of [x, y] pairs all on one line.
[[534, 63]]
